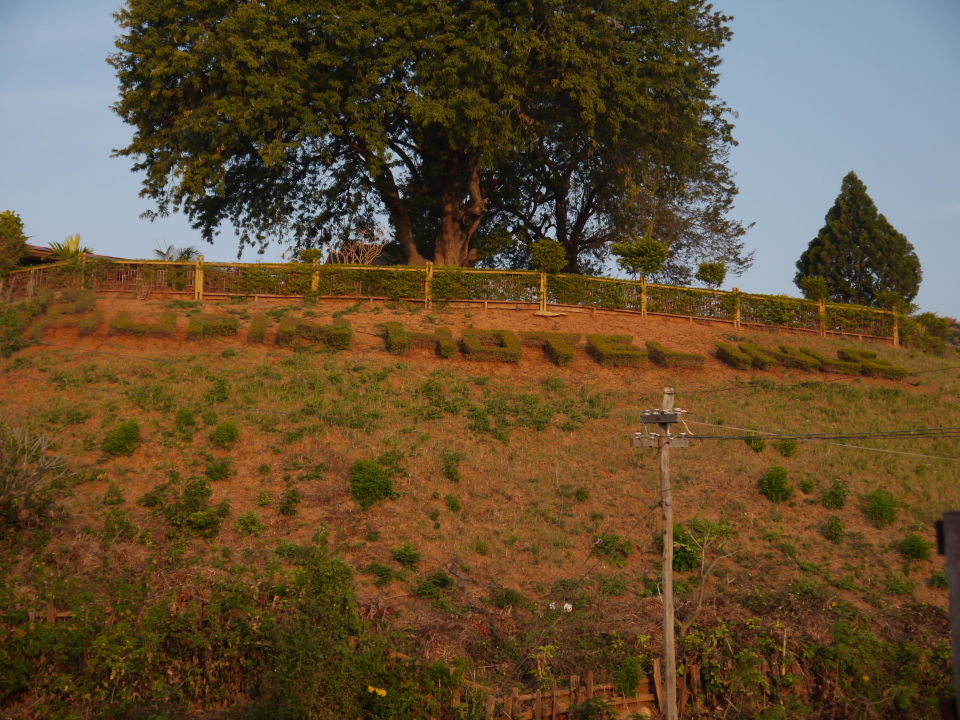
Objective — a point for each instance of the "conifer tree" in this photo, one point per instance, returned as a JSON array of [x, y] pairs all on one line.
[[859, 253]]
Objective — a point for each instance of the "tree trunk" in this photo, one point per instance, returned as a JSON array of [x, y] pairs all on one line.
[[459, 218]]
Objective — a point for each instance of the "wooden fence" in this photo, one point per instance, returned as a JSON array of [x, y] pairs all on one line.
[[200, 280]]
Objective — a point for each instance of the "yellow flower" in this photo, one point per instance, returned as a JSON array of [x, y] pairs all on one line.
[[866, 678], [381, 692]]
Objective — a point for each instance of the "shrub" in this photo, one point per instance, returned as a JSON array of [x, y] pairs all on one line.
[[640, 254], [938, 580], [834, 530], [881, 508], [628, 676], [504, 597], [185, 423], [435, 585], [548, 256], [218, 392], [123, 439], [208, 325], [836, 495], [218, 469], [814, 287], [191, 509], [711, 274], [406, 555], [614, 585], [453, 503], [257, 332], [249, 524], [124, 324], [450, 465], [775, 486], [494, 345], [832, 365], [670, 358], [755, 443], [915, 547], [558, 347], [116, 526], [369, 482], [13, 241], [760, 357], [794, 358], [289, 501], [481, 547], [336, 336], [114, 495], [225, 435], [787, 447], [28, 476], [733, 356], [615, 350], [613, 547]]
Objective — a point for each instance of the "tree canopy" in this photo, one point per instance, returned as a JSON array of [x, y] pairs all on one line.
[[13, 241], [469, 124], [858, 253]]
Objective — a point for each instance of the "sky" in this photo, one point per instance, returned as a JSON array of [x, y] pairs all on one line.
[[820, 87]]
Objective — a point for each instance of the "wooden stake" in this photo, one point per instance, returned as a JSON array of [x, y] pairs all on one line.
[[666, 501]]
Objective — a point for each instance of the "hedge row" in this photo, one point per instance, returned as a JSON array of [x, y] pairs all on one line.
[[615, 350], [124, 324], [400, 340], [498, 345], [559, 347], [209, 325], [336, 336], [849, 361], [669, 358]]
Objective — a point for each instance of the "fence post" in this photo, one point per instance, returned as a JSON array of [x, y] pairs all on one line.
[[643, 295], [198, 279], [83, 271], [428, 286], [543, 292], [896, 328], [315, 279], [822, 320], [736, 307]]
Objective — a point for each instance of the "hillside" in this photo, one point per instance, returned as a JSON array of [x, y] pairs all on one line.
[[498, 528]]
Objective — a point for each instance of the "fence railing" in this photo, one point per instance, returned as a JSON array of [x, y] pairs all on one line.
[[202, 280]]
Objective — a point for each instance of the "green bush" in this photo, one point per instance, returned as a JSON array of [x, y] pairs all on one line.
[[289, 501], [755, 443], [733, 356], [613, 547], [834, 530], [493, 345], [794, 358], [399, 340], [225, 435], [257, 332], [938, 580], [558, 347], [836, 495], [435, 585], [775, 486], [915, 547], [615, 351], [548, 256], [504, 597], [336, 336], [218, 469], [13, 241], [123, 439], [124, 324], [218, 392], [450, 465], [208, 325], [787, 447], [881, 508], [114, 495], [249, 524], [370, 482], [670, 358], [629, 674], [453, 503], [406, 555], [117, 527], [760, 357], [185, 424]]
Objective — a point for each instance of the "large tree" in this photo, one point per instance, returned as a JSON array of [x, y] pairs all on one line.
[[13, 241], [859, 253], [303, 120]]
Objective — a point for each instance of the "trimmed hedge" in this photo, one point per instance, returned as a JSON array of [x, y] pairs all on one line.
[[74, 302], [400, 340], [855, 355], [208, 325], [257, 332], [670, 358], [792, 357], [733, 356], [830, 365], [124, 324], [559, 347], [496, 345], [871, 365], [760, 358], [615, 350], [336, 336]]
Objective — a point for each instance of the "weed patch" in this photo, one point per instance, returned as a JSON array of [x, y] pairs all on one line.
[[122, 439]]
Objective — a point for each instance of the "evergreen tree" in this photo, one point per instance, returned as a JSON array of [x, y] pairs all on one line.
[[13, 242], [859, 253]]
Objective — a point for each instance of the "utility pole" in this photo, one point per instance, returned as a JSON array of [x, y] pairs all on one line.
[[948, 543], [664, 417]]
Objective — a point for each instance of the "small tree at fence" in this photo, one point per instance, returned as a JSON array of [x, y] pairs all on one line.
[[641, 255], [359, 252], [813, 287], [548, 256], [13, 243], [712, 274]]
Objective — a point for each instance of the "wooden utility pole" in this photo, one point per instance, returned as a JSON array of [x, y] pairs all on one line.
[[663, 441], [948, 542]]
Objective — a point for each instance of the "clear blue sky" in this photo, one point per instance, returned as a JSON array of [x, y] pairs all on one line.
[[821, 87]]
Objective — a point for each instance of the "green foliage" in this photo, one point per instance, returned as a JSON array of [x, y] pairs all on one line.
[[835, 496], [493, 345], [881, 508], [760, 358], [711, 274], [915, 547], [13, 241], [257, 332], [789, 356], [734, 357], [756, 443], [813, 287], [113, 496], [289, 501], [859, 253], [406, 555], [504, 597], [117, 527], [122, 439], [613, 547], [450, 465], [151, 396], [185, 424], [670, 358], [548, 256], [218, 392], [190, 509], [831, 365], [559, 347], [641, 255], [453, 503], [629, 674], [225, 435], [834, 529], [686, 550], [481, 547], [29, 474], [249, 524], [124, 324], [787, 447], [218, 469], [370, 482], [435, 585], [399, 340], [336, 336], [774, 485], [208, 325], [938, 580], [615, 350]]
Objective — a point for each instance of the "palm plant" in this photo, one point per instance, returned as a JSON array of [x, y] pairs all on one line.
[[170, 253], [69, 250]]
